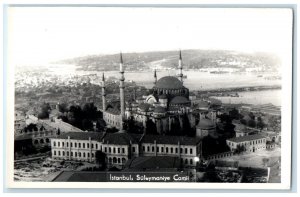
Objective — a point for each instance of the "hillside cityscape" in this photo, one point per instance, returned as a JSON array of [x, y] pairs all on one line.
[[183, 115]]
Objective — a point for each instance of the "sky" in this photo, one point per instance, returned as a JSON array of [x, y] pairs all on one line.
[[37, 35]]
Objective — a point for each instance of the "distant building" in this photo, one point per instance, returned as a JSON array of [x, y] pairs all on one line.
[[251, 143], [121, 146]]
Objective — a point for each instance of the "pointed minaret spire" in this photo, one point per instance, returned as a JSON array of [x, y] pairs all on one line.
[[155, 77], [103, 93], [122, 96], [180, 75], [180, 55], [121, 58]]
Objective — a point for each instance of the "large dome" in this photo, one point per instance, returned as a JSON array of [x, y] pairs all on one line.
[[169, 82]]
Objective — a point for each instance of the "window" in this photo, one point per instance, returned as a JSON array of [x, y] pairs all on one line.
[[63, 144], [162, 149], [71, 144], [58, 153], [157, 149], [75, 154], [191, 161], [58, 144], [105, 149], [68, 154], [54, 143], [71, 154], [97, 146], [191, 151], [88, 154], [152, 148], [63, 153], [176, 150], [92, 145], [83, 154], [186, 161], [123, 150], [79, 154], [75, 144], [109, 150], [67, 144], [185, 150], [114, 150], [54, 152], [148, 148], [167, 150], [88, 145], [133, 149], [79, 145], [119, 150], [92, 154], [171, 150], [83, 145], [180, 150], [143, 148]]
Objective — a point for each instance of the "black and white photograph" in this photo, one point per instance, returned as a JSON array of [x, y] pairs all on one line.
[[149, 96]]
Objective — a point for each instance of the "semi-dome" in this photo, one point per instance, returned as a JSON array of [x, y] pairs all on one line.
[[179, 100], [206, 124], [169, 82]]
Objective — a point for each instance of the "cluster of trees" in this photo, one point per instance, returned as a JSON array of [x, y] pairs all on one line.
[[44, 111], [82, 117]]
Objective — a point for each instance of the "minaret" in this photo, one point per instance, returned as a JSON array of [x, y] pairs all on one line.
[[122, 97], [180, 75], [103, 93], [155, 77]]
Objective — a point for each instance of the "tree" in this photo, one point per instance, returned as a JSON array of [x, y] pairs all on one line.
[[240, 149], [44, 111], [150, 127], [100, 158]]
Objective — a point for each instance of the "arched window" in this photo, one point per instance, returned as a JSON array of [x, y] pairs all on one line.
[[42, 141], [83, 154], [119, 160], [47, 140], [54, 143], [191, 161], [114, 160], [186, 161]]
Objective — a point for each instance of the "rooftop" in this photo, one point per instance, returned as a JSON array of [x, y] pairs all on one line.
[[247, 138]]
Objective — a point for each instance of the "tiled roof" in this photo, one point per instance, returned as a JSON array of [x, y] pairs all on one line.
[[82, 135], [183, 140], [246, 138], [121, 138], [113, 111]]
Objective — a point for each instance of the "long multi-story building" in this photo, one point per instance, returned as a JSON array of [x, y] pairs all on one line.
[[248, 143], [121, 146]]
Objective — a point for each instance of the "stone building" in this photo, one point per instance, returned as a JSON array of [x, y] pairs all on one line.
[[250, 143], [121, 146]]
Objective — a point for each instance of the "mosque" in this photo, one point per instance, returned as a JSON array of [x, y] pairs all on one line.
[[169, 101]]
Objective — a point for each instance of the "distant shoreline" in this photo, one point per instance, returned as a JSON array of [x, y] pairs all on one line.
[[240, 89]]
